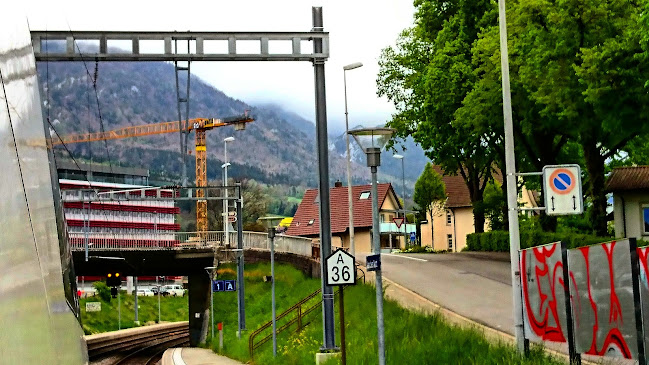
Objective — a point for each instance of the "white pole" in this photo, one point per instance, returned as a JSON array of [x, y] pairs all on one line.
[[350, 198], [510, 163], [225, 202], [158, 285]]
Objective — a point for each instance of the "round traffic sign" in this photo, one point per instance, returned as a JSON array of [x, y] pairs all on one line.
[[562, 181]]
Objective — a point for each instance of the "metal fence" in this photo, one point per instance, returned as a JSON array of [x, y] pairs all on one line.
[[208, 239]]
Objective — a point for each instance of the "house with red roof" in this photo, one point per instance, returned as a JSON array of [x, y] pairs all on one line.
[[630, 188], [449, 226], [306, 220]]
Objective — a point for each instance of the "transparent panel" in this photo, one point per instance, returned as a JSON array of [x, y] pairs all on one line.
[[643, 254], [544, 305], [36, 320], [601, 288]]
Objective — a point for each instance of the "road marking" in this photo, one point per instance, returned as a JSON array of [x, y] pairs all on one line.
[[177, 357], [407, 257]]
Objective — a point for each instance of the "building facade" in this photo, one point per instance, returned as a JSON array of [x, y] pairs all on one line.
[[630, 188], [306, 220]]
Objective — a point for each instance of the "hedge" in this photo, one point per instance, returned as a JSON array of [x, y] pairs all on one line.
[[498, 241]]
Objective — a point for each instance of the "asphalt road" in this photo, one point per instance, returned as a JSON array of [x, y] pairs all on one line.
[[474, 285]]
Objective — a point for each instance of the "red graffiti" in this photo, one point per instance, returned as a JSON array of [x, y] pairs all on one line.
[[642, 256], [544, 320], [614, 336]]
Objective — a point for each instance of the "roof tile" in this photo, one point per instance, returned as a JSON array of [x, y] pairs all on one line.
[[628, 178]]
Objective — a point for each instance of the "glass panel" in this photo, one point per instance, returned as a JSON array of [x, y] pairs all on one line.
[[645, 216]]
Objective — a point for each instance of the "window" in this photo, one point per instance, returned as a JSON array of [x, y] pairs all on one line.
[[450, 242], [448, 218], [364, 195], [382, 218], [645, 219], [311, 222]]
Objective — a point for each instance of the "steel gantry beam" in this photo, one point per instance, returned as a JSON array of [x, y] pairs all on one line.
[[159, 46], [219, 46]]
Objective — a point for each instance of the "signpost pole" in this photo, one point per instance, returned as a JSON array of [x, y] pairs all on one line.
[[119, 311], [343, 346]]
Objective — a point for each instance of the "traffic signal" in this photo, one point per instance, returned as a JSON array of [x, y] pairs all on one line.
[[113, 279]]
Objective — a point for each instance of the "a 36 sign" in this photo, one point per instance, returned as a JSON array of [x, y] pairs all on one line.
[[340, 268]]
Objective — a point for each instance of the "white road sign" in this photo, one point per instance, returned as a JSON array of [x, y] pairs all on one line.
[[340, 268], [562, 190], [93, 307]]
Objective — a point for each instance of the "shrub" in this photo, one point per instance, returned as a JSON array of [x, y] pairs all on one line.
[[498, 241], [102, 290]]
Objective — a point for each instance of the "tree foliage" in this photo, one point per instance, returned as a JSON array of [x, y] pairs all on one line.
[[427, 76], [430, 192], [579, 76]]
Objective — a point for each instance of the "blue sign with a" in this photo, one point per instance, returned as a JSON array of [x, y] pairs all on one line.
[[230, 285], [218, 285], [373, 262], [413, 237]]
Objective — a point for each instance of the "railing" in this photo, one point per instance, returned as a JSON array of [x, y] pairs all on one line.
[[300, 310], [174, 240]]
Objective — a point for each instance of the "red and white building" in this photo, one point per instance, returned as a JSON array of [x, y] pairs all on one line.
[[119, 224]]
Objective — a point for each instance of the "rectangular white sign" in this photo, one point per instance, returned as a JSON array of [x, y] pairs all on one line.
[[562, 190], [93, 307]]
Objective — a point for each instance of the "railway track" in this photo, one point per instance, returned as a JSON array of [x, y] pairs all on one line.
[[136, 346]]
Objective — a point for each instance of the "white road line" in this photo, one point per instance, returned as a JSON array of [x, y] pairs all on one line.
[[177, 357], [406, 257]]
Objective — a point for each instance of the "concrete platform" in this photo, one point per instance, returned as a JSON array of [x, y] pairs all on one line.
[[195, 356]]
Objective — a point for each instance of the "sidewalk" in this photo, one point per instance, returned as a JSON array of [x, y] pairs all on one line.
[[195, 356]]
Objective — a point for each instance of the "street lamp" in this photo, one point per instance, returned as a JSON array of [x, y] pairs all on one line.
[[403, 177], [350, 201], [271, 223], [210, 273], [371, 141], [225, 165]]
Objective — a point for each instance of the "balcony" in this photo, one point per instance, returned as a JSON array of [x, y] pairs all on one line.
[[390, 227]]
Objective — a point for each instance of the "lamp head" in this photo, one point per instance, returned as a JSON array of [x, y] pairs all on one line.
[[228, 139], [352, 66], [398, 157], [225, 165]]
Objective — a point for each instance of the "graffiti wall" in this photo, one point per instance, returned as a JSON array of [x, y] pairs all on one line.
[[643, 254], [544, 293], [601, 287]]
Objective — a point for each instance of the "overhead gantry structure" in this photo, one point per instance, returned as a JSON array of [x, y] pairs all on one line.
[[316, 52]]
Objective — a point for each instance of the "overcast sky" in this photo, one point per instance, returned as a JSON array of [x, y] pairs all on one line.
[[358, 30]]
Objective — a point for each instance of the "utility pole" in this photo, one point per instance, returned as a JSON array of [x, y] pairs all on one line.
[[510, 163], [323, 183]]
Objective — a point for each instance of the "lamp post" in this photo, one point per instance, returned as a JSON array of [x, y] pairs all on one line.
[[271, 223], [371, 141], [350, 201], [210, 273], [226, 226], [403, 179]]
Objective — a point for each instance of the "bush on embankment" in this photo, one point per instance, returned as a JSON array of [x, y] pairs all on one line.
[[498, 241]]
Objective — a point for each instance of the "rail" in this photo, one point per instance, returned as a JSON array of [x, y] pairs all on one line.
[[104, 344], [179, 240]]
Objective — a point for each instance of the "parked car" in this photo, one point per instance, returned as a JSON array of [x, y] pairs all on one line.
[[155, 289], [144, 293], [173, 290]]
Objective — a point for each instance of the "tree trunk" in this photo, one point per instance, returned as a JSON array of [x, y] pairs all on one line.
[[432, 230], [595, 167]]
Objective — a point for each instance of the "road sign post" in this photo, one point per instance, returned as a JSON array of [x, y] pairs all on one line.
[[562, 189], [340, 268]]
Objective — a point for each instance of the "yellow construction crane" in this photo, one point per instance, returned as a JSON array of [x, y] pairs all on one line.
[[199, 125]]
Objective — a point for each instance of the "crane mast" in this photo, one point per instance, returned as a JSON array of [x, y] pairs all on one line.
[[198, 125]]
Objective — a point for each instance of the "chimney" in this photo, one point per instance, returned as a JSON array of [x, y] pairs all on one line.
[[338, 184]]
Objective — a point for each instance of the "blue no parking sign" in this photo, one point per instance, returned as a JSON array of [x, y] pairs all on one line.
[[562, 189], [413, 237]]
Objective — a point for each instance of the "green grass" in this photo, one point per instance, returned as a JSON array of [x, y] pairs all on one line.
[[411, 338], [172, 309]]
